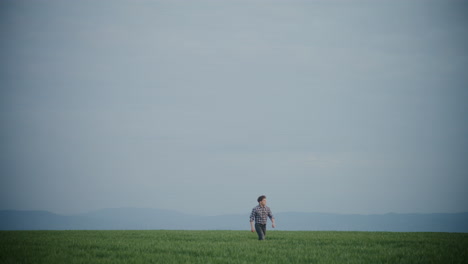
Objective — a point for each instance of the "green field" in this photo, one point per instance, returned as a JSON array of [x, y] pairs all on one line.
[[164, 246]]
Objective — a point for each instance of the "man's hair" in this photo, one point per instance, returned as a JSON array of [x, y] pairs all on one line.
[[260, 198]]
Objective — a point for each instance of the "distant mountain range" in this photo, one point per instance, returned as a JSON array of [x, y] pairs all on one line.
[[140, 219]]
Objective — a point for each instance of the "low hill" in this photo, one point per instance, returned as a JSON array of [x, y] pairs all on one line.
[[143, 219]]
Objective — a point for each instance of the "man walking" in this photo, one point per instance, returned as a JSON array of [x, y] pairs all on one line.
[[260, 214]]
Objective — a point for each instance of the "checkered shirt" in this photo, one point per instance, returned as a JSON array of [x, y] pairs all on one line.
[[260, 214]]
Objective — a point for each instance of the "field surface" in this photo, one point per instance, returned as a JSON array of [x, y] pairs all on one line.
[[164, 246]]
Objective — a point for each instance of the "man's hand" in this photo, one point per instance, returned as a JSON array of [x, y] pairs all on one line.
[[252, 229], [273, 225]]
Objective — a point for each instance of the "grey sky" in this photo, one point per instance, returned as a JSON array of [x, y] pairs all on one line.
[[201, 106]]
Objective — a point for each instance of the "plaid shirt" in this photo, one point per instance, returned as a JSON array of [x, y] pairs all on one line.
[[260, 214]]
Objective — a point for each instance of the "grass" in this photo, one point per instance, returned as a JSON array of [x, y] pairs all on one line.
[[164, 246]]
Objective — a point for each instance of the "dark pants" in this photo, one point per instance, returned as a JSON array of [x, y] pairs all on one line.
[[261, 231]]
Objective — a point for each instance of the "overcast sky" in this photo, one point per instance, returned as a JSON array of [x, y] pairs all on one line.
[[202, 106]]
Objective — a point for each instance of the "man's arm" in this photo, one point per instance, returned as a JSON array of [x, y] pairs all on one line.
[[252, 217], [272, 218]]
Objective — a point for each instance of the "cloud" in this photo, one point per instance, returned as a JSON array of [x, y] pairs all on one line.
[[323, 162], [339, 160]]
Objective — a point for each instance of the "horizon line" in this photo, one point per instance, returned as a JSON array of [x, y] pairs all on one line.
[[226, 214]]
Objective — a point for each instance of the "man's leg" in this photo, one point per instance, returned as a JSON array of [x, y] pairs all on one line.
[[259, 229], [264, 231]]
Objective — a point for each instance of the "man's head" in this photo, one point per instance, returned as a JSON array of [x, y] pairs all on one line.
[[262, 200]]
